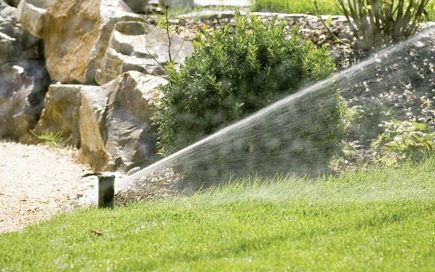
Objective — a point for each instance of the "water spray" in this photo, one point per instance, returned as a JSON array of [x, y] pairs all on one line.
[[233, 148]]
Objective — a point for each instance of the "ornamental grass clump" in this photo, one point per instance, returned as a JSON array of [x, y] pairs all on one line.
[[381, 22]]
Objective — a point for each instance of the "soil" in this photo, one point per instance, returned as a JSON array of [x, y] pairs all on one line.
[[37, 182]]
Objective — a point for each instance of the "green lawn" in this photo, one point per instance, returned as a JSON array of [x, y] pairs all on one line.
[[373, 220], [296, 6], [326, 7]]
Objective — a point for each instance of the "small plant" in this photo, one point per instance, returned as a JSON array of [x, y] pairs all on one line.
[[379, 22], [54, 139], [171, 32], [363, 121], [404, 140]]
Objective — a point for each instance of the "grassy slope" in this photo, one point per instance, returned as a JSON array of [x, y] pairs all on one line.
[[372, 220], [307, 6]]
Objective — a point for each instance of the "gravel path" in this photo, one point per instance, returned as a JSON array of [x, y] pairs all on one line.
[[37, 182]]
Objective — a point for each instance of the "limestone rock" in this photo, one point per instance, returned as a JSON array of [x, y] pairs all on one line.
[[126, 138], [76, 33], [97, 40], [140, 47], [221, 3], [111, 123], [22, 89], [137, 6], [183, 5], [130, 138], [15, 45], [13, 3], [61, 112], [92, 123], [23, 77], [30, 14]]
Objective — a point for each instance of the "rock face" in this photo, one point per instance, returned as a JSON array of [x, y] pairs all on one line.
[[13, 3], [61, 112], [15, 45], [30, 14], [76, 33], [110, 123], [85, 41], [131, 140], [22, 88], [88, 41], [232, 3], [23, 78], [137, 6], [126, 138], [92, 127], [177, 4], [140, 47]]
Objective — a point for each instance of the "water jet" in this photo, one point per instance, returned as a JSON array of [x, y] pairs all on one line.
[[265, 143]]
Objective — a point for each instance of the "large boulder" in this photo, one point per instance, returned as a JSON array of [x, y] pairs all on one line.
[[23, 77], [93, 128], [137, 6], [13, 3], [130, 138], [15, 44], [61, 111], [110, 123], [126, 138], [30, 14], [140, 47], [22, 88], [76, 33], [179, 5]]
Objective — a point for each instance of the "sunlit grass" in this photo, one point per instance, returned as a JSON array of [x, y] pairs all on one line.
[[292, 6], [372, 220], [326, 7]]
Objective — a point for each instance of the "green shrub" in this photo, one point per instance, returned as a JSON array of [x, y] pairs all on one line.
[[232, 73], [404, 140], [379, 22]]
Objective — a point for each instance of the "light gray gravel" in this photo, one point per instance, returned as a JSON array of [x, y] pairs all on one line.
[[37, 182]]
